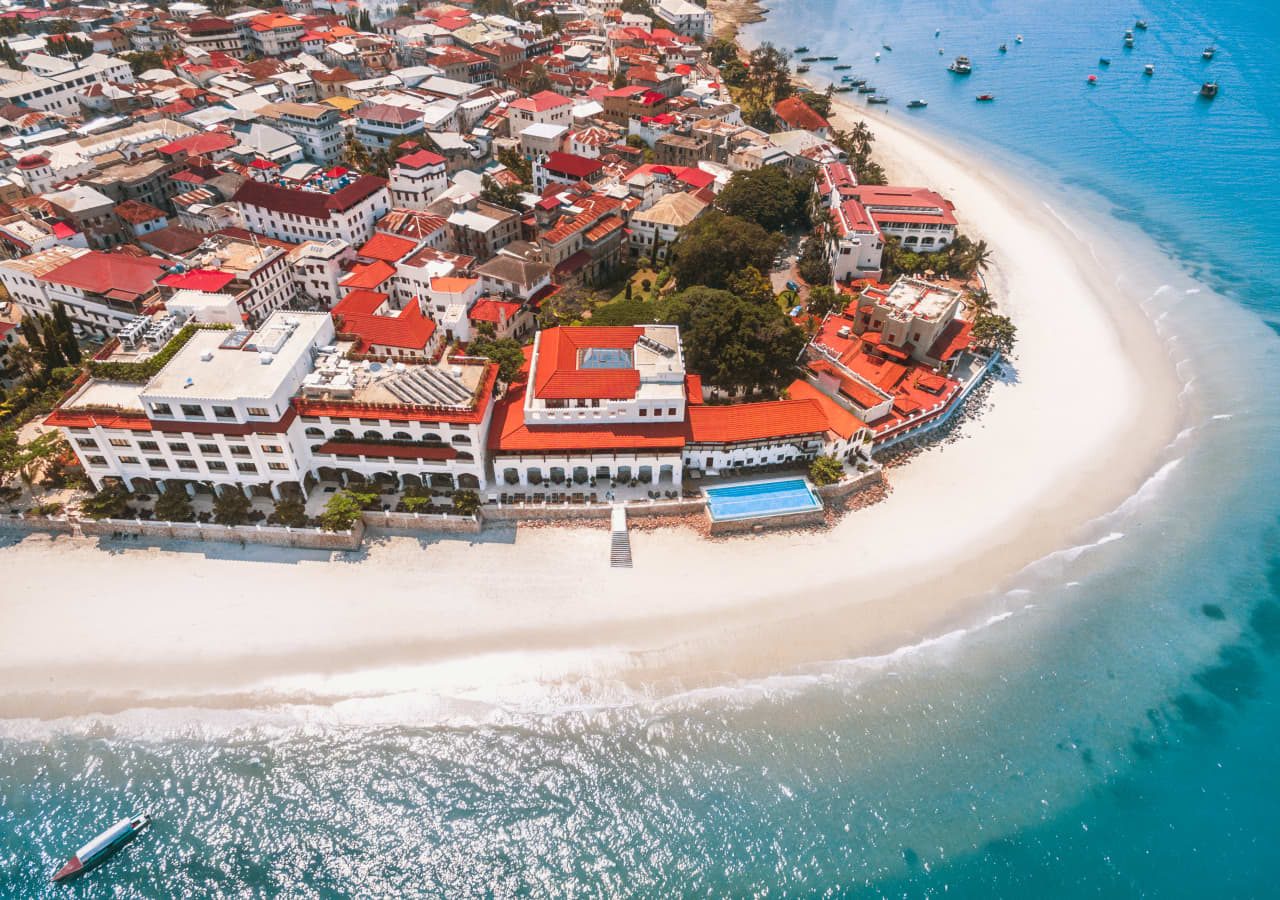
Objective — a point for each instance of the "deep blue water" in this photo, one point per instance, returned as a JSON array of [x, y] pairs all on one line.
[[1113, 736]]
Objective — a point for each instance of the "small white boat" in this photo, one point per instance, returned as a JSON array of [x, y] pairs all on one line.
[[1018, 39], [877, 57], [103, 846], [1148, 69]]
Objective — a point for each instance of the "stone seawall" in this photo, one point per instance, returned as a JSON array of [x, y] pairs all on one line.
[[275, 535]]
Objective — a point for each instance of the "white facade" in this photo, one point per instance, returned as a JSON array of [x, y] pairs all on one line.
[[417, 180], [684, 18], [318, 267], [54, 85], [354, 224]]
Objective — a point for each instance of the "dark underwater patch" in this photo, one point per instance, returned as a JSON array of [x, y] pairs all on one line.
[[1235, 679], [1213, 611]]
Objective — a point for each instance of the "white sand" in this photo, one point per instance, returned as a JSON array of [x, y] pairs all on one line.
[[83, 629]]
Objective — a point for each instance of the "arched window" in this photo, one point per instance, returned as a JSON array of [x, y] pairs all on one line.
[[461, 440], [343, 434], [373, 435], [464, 456], [314, 432], [401, 436], [430, 438]]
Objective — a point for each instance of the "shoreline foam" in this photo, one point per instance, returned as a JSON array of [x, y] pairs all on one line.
[[129, 628]]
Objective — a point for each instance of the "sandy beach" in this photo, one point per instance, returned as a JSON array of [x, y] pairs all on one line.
[[1073, 428]]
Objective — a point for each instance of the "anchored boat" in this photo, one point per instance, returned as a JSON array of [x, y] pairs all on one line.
[[961, 66], [102, 846], [985, 98], [1209, 90], [876, 98], [917, 104], [1208, 52]]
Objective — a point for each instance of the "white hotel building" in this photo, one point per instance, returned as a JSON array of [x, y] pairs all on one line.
[[347, 213]]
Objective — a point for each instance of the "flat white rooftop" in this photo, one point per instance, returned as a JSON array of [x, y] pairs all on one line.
[[222, 365]]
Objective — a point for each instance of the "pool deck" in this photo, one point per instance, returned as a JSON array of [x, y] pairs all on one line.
[[792, 500]]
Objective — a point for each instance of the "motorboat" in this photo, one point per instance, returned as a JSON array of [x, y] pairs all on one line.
[[843, 67], [1004, 48], [985, 98], [1141, 24], [802, 49], [1018, 39], [800, 70], [961, 66], [1092, 79], [1104, 60], [102, 846], [1128, 40], [877, 57], [843, 89], [866, 89], [828, 58], [1207, 53], [887, 47], [1148, 69], [917, 104], [808, 59], [1209, 90], [876, 98]]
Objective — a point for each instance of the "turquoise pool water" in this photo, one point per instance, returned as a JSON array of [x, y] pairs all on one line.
[[757, 499]]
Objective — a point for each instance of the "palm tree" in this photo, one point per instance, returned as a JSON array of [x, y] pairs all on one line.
[[978, 258], [980, 303]]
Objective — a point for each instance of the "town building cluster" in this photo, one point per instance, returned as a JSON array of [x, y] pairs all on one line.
[[286, 234]]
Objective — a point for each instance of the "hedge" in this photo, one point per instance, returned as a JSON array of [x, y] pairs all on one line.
[[144, 371]]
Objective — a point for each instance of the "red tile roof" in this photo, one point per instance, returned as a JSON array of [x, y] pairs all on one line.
[[508, 432], [208, 280], [368, 276], [364, 303], [571, 165], [541, 102], [382, 450], [495, 311], [313, 204], [796, 113], [199, 144], [557, 376], [839, 419], [410, 329], [96, 272], [386, 247], [420, 160], [136, 212], [755, 421]]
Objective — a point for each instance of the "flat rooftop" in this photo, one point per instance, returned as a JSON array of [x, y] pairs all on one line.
[[338, 379], [121, 395], [222, 365], [910, 297]]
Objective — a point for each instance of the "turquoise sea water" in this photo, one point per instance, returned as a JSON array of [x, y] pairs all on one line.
[[1111, 733]]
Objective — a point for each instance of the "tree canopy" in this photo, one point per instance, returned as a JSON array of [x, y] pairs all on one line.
[[736, 343], [715, 246], [505, 352], [767, 196], [995, 332]]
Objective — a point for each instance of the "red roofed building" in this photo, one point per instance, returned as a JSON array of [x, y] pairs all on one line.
[[416, 179], [565, 168], [141, 218], [102, 292], [543, 108], [386, 247], [348, 213], [796, 115], [214, 145], [406, 335]]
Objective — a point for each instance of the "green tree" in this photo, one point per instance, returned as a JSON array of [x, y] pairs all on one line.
[[231, 507], [715, 246], [143, 60], [619, 79], [66, 334], [52, 341], [812, 264], [826, 470], [505, 352], [626, 311], [637, 7], [721, 50], [536, 79], [366, 23], [514, 160], [767, 196], [343, 511], [824, 300], [995, 332], [24, 460], [173, 505], [110, 502], [289, 511], [821, 103], [465, 502], [736, 343], [505, 195]]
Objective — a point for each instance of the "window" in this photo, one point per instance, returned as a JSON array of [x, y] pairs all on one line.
[[258, 411], [120, 442], [97, 460], [271, 448], [129, 460], [277, 466], [247, 468], [216, 466], [180, 448], [188, 465], [643, 413], [210, 449], [240, 451], [157, 463], [87, 443], [671, 411], [222, 412], [193, 411], [148, 446]]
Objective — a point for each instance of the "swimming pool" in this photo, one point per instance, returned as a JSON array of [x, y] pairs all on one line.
[[757, 499]]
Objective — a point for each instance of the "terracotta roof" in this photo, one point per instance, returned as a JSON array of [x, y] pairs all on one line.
[[839, 419], [385, 112], [411, 223], [313, 204], [135, 212], [368, 276], [453, 285], [411, 329], [798, 114], [571, 165], [754, 421], [508, 432], [395, 451], [361, 303], [208, 280], [96, 272], [420, 160], [386, 247], [495, 311], [541, 102], [557, 372]]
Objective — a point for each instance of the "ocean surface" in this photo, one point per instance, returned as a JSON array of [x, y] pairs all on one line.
[[1112, 732]]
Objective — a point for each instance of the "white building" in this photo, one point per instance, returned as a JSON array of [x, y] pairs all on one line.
[[417, 179], [684, 18], [317, 269], [316, 127], [542, 108], [54, 85], [348, 213], [655, 229]]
